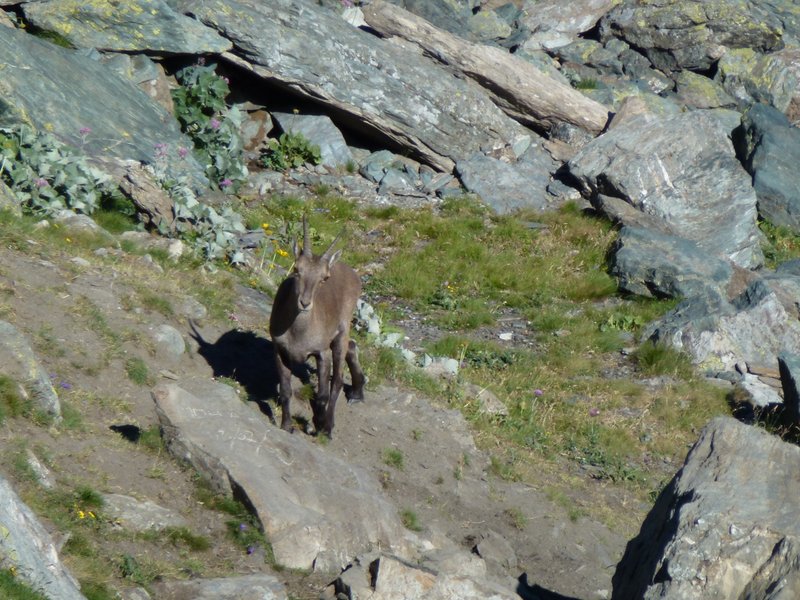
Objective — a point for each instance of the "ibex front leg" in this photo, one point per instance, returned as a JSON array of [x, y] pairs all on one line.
[[285, 394], [321, 401]]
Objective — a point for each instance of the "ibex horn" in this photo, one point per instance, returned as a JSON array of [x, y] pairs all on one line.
[[333, 243], [306, 241]]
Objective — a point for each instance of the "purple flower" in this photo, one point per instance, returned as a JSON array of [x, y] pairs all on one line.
[[225, 183], [593, 412], [182, 152], [161, 149], [537, 392], [242, 526], [226, 80], [250, 549], [65, 385], [214, 123], [41, 182], [84, 131]]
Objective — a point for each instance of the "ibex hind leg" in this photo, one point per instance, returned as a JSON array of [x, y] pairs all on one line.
[[355, 392], [321, 400]]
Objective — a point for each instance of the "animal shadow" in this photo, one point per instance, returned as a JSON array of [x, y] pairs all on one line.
[[246, 358]]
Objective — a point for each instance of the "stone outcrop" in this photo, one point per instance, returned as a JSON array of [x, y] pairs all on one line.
[[28, 550], [661, 167], [318, 512], [725, 527]]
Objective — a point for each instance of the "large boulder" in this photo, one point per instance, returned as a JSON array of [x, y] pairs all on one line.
[[507, 186], [318, 511], [371, 85], [149, 25], [692, 34], [27, 548], [725, 527], [769, 147], [663, 167], [755, 327], [554, 23], [652, 264], [751, 77], [86, 105]]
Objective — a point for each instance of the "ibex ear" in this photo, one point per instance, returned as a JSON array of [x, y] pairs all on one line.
[[334, 257]]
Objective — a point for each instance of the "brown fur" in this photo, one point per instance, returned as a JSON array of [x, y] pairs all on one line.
[[311, 316]]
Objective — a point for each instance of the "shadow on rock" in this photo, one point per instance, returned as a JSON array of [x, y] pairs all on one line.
[[245, 358], [537, 592]]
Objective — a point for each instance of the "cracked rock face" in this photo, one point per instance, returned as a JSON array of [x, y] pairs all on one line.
[[725, 527]]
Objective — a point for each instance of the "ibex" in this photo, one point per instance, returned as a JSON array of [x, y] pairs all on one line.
[[311, 316]]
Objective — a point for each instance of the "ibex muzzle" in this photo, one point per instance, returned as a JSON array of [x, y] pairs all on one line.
[[311, 316]]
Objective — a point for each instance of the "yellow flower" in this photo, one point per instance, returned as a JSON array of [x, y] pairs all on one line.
[[265, 226], [282, 252], [81, 514]]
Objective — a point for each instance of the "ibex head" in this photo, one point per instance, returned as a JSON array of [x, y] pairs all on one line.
[[311, 271]]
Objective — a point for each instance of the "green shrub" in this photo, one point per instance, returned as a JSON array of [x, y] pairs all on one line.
[[46, 175], [289, 151], [213, 126]]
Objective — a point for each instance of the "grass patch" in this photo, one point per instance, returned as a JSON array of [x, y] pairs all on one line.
[[243, 527], [655, 358], [12, 588], [151, 439], [12, 402], [394, 458], [138, 371], [410, 520], [779, 244]]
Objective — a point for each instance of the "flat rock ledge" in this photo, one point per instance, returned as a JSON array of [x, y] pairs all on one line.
[[317, 511]]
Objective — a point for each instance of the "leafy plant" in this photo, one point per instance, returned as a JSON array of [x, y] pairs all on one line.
[[289, 151], [213, 234], [46, 175], [213, 126]]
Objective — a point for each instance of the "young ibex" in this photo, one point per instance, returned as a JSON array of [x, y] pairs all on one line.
[[311, 316]]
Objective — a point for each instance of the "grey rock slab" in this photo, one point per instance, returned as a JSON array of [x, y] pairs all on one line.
[[554, 23], [150, 25], [692, 34], [64, 92], [317, 511], [651, 264], [21, 365], [789, 367], [757, 326], [697, 91], [140, 515], [387, 577], [751, 77], [169, 342], [370, 83], [244, 587], [662, 165], [725, 527], [26, 546], [769, 147], [509, 186], [319, 130]]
